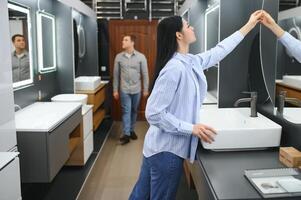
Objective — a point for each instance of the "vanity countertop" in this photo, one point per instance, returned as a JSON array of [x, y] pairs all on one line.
[[44, 116], [224, 171], [6, 157]]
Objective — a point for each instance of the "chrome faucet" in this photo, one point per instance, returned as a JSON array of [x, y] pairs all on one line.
[[282, 99], [252, 100]]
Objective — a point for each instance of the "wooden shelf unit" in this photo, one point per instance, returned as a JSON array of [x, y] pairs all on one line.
[[81, 144], [96, 98]]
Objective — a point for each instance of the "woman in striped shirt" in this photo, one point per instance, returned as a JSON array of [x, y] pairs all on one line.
[[172, 108]]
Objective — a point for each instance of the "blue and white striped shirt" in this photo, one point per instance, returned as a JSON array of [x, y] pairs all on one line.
[[292, 44], [173, 106]]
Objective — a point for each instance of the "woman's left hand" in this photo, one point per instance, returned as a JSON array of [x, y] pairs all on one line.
[[253, 20]]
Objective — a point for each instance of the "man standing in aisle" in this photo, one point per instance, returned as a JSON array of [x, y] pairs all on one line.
[[129, 65]]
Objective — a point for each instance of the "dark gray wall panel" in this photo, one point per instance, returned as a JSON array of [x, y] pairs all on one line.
[[88, 65], [269, 49], [233, 74], [65, 70]]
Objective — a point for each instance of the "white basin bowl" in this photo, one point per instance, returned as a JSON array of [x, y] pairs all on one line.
[[209, 99], [83, 98], [294, 81], [291, 114], [236, 130], [87, 82]]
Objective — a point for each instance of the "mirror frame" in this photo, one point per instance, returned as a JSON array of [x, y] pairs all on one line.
[[42, 68], [208, 11], [81, 46], [186, 15], [26, 10]]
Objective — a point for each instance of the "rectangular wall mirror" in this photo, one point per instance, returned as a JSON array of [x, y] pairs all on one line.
[[288, 83], [46, 42], [212, 37], [21, 45]]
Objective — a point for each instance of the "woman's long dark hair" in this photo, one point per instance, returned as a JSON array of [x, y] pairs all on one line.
[[166, 42]]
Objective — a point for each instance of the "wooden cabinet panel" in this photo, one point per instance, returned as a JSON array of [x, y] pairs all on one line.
[[146, 33]]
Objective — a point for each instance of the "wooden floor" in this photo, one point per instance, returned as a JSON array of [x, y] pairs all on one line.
[[116, 170]]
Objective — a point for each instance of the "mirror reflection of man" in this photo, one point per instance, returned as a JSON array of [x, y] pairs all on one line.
[[129, 67], [20, 59]]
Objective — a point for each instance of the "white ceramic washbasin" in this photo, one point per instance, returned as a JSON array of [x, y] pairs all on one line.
[[292, 80], [291, 114], [87, 82], [210, 99], [236, 130], [44, 116], [82, 98]]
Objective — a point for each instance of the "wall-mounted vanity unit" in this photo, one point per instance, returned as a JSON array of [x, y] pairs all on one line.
[[43, 133]]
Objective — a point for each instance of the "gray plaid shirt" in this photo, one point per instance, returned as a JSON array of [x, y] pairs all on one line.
[[128, 71], [20, 67]]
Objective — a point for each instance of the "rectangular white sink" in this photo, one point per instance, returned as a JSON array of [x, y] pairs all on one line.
[[209, 99], [236, 130], [291, 114], [87, 82], [292, 80], [44, 116]]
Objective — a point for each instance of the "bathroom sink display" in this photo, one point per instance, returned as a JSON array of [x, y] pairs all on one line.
[[87, 82], [291, 80], [291, 114], [83, 98], [236, 130]]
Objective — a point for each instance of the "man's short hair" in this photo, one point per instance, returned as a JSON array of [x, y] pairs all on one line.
[[132, 37], [16, 35]]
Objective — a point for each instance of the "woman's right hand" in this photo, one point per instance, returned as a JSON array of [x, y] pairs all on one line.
[[204, 132]]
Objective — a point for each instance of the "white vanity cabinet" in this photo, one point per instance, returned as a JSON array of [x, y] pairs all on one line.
[[88, 132], [10, 186], [84, 150]]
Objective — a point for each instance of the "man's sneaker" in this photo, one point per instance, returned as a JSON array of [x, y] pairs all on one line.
[[133, 135], [124, 139]]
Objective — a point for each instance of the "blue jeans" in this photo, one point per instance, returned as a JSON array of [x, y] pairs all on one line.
[[159, 177], [129, 105]]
